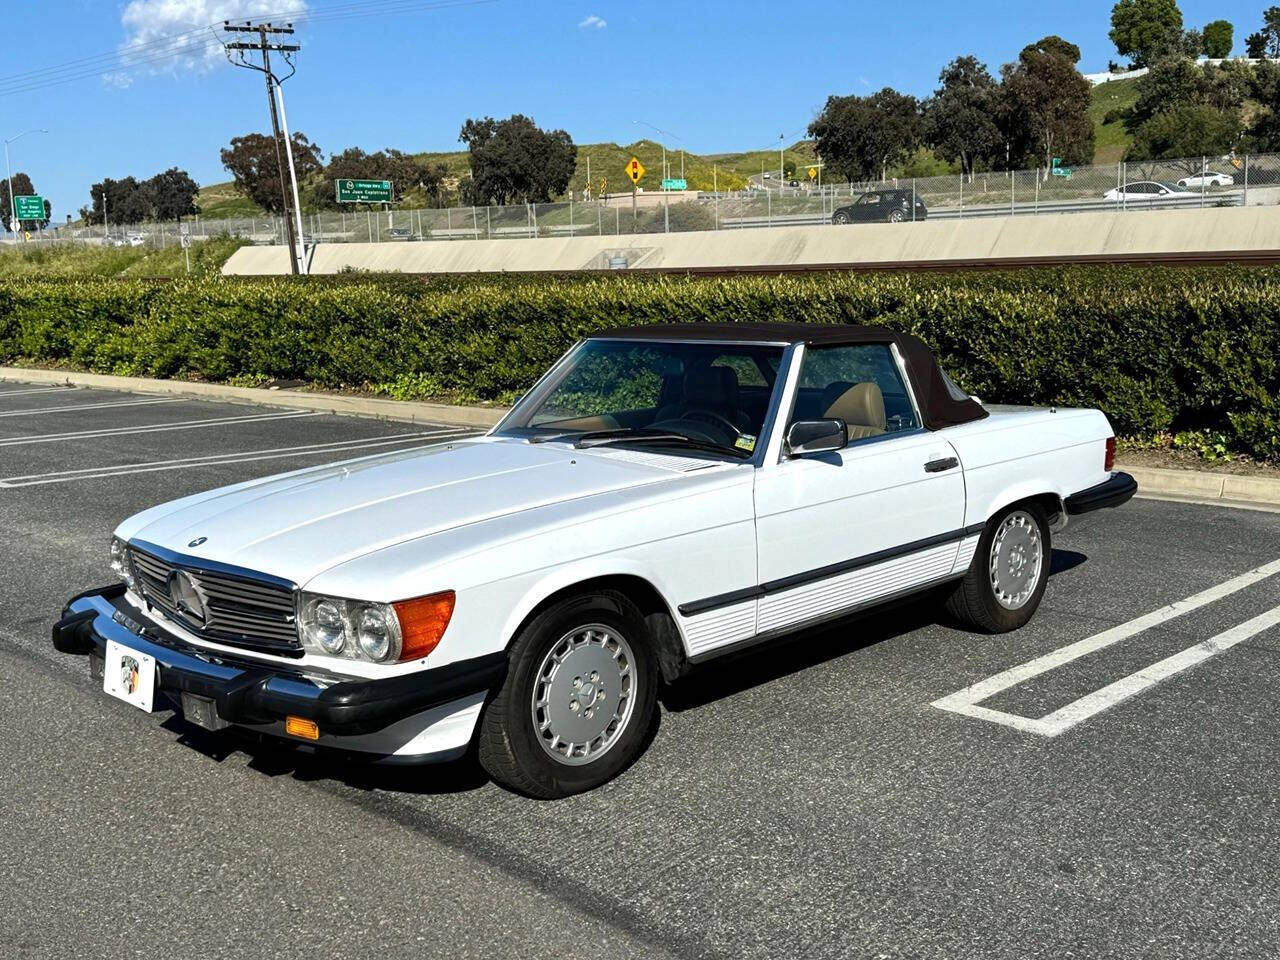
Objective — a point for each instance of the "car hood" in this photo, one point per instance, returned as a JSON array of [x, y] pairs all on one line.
[[299, 524]]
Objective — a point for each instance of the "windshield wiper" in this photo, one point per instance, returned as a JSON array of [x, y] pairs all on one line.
[[578, 434], [603, 438]]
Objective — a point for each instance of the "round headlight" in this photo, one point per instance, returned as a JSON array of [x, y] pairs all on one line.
[[375, 634], [327, 626]]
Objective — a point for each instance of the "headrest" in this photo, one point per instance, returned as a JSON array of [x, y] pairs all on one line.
[[862, 405], [711, 386]]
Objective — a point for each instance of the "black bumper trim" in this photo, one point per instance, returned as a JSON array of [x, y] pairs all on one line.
[[249, 692], [1110, 493]]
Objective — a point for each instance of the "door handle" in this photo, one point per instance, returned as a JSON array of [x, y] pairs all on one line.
[[937, 466]]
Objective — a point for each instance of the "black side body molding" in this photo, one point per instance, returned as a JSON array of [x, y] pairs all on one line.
[[822, 573]]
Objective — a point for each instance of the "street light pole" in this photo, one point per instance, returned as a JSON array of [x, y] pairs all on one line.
[[666, 202], [13, 210]]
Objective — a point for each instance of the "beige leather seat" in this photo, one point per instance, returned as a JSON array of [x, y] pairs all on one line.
[[862, 408]]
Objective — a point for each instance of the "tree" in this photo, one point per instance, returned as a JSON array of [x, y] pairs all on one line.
[[251, 160], [1044, 109], [170, 195], [861, 137], [1218, 39], [22, 187], [513, 161], [1187, 131], [1271, 31], [960, 118], [126, 202], [1055, 44], [1228, 84], [1145, 29], [1255, 45], [1169, 82], [1264, 87]]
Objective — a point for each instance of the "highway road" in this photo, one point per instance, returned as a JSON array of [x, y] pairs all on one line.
[[831, 796]]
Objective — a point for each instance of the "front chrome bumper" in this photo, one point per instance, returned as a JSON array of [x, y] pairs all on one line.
[[251, 693]]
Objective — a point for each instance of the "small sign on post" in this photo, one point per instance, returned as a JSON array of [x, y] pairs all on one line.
[[363, 191], [813, 173], [675, 183], [635, 170]]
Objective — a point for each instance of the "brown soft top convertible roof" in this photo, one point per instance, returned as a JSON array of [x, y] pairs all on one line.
[[938, 407]]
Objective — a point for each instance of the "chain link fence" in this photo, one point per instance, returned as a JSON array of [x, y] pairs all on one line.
[[1168, 184]]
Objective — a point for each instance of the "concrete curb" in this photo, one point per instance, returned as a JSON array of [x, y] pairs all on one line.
[[1203, 486], [1198, 485], [377, 407]]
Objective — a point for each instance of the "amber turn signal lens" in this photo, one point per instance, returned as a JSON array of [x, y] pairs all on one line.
[[302, 727], [422, 623]]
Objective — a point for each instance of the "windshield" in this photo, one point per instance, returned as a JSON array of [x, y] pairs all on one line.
[[714, 395]]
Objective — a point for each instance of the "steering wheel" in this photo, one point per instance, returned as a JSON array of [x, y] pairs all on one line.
[[710, 416]]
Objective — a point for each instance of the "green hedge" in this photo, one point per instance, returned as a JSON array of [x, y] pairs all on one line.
[[1158, 349]]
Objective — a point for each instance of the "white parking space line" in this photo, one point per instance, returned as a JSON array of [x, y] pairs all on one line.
[[27, 393], [155, 428], [89, 406], [213, 460], [968, 701]]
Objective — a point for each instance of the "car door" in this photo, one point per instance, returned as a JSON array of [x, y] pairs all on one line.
[[841, 530], [867, 208]]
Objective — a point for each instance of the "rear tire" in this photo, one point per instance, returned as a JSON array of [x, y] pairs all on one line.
[[1009, 573], [896, 216], [577, 701], [840, 217]]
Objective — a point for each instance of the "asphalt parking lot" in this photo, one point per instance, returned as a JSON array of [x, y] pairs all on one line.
[[1102, 783]]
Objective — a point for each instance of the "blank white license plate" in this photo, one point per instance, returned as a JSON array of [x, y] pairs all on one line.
[[129, 675]]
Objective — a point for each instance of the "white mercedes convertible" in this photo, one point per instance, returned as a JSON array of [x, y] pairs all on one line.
[[661, 497]]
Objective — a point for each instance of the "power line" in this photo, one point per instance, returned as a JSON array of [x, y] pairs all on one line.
[[189, 42]]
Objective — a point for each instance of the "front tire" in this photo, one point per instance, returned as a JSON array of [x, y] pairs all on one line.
[[1009, 573], [577, 701]]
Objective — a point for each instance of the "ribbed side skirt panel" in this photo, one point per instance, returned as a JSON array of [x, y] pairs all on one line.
[[716, 628], [854, 589]]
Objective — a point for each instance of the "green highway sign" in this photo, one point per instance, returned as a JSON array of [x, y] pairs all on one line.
[[364, 191], [1061, 172], [28, 208], [675, 184]]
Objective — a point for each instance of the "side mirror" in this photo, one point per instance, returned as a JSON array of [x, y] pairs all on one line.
[[816, 436]]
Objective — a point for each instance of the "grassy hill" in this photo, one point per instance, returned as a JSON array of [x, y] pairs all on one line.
[[1111, 140], [608, 160]]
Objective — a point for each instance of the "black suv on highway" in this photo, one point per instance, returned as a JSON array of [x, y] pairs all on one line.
[[891, 206]]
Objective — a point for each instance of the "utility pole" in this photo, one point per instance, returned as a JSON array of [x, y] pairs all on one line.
[[266, 48]]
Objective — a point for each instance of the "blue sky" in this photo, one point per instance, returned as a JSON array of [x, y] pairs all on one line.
[[721, 75]]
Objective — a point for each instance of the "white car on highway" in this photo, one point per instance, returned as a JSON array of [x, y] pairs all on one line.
[[663, 496], [1146, 191], [1207, 179]]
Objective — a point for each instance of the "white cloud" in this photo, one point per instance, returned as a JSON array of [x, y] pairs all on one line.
[[593, 23], [168, 35]]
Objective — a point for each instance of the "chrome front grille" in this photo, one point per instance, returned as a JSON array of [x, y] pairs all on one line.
[[239, 610]]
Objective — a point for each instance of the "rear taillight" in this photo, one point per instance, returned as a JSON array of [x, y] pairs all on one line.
[[1110, 462]]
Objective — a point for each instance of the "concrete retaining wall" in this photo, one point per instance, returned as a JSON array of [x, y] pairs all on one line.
[[1127, 234]]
